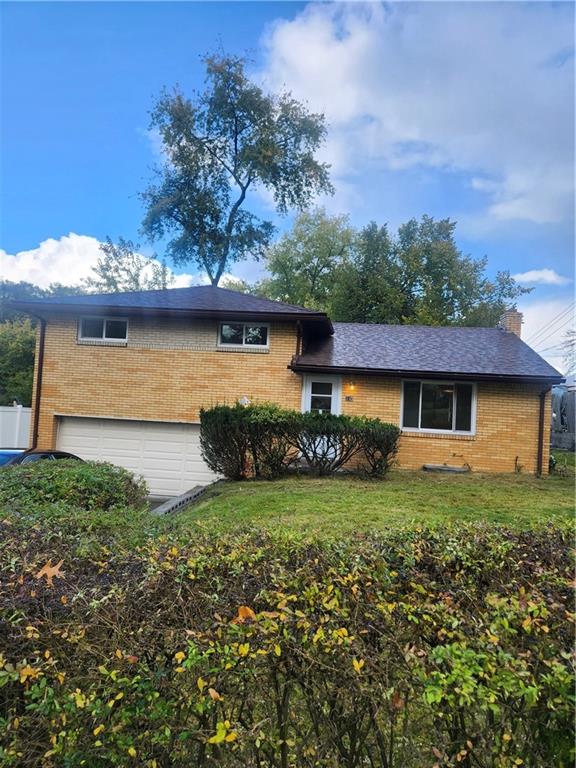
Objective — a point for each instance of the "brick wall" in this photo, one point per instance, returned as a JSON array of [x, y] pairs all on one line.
[[157, 375], [506, 426], [170, 369]]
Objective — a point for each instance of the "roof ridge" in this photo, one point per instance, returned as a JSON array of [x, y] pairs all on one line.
[[421, 325]]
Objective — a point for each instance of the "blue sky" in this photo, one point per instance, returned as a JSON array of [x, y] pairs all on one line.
[[451, 109]]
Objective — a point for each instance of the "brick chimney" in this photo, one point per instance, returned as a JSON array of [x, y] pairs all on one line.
[[511, 321]]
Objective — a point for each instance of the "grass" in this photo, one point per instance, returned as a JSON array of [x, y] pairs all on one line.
[[343, 506]]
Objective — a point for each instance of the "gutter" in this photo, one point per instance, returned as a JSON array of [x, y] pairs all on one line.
[[38, 388], [541, 417], [412, 374]]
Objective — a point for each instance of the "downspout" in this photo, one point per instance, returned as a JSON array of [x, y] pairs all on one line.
[[38, 389], [541, 431], [298, 338]]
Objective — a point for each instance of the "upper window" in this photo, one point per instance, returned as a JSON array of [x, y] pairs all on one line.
[[243, 335], [103, 329], [438, 407]]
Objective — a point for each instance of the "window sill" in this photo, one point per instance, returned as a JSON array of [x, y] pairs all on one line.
[[249, 350], [437, 435], [102, 343]]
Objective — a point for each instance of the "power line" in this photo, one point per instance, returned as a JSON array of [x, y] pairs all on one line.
[[548, 327], [555, 330], [544, 328]]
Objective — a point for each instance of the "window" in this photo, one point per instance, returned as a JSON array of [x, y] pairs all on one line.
[[438, 406], [103, 329], [243, 335]]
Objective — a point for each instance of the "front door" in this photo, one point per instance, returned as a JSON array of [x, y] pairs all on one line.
[[321, 394]]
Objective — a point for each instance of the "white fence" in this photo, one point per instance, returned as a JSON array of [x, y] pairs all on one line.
[[15, 426]]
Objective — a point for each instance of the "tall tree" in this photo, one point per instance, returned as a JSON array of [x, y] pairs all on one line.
[[304, 262], [218, 147], [443, 286], [122, 268], [417, 276], [367, 287]]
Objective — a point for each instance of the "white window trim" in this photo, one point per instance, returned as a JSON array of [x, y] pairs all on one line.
[[244, 323], [336, 382], [426, 430], [103, 339]]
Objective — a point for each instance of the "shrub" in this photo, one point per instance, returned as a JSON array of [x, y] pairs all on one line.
[[266, 441], [85, 485], [446, 648], [272, 433], [224, 440], [380, 445], [327, 442]]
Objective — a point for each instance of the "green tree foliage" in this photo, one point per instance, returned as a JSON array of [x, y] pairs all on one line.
[[17, 342], [218, 147], [367, 286], [23, 291], [417, 276], [304, 262], [122, 268], [17, 337]]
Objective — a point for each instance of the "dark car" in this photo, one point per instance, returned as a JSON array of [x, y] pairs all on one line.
[[10, 456]]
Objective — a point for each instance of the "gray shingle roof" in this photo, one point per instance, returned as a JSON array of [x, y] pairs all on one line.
[[417, 349], [203, 298]]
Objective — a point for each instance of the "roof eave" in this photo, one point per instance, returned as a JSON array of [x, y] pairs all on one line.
[[42, 309], [411, 374]]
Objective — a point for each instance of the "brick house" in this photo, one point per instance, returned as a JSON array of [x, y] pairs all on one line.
[[122, 378]]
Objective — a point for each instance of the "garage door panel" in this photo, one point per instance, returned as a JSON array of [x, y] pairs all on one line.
[[166, 455]]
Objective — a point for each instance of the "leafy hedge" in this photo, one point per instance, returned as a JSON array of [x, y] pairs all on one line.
[[84, 485], [267, 441], [427, 648]]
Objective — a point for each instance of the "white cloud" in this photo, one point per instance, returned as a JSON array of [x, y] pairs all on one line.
[[545, 325], [541, 276], [484, 89], [67, 260]]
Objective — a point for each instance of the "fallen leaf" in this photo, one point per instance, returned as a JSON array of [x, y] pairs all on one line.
[[245, 613], [51, 572], [214, 695]]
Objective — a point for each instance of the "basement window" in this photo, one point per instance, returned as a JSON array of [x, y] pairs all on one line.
[[243, 335], [434, 406], [109, 329]]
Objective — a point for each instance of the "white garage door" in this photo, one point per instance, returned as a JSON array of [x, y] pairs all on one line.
[[166, 455]]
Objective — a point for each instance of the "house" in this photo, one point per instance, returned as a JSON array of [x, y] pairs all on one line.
[[122, 377]]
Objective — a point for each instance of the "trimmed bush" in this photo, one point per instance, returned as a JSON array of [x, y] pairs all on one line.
[[380, 445], [224, 440], [446, 647], [84, 485], [267, 441], [327, 442], [272, 434]]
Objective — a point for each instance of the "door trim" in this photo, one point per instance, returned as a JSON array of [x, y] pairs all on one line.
[[335, 380]]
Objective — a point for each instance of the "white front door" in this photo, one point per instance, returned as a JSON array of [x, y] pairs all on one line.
[[321, 393]]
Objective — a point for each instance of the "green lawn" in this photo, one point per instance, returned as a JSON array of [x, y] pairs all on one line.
[[344, 505]]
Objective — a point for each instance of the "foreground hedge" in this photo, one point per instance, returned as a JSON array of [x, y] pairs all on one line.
[[84, 485], [429, 648], [267, 441]]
